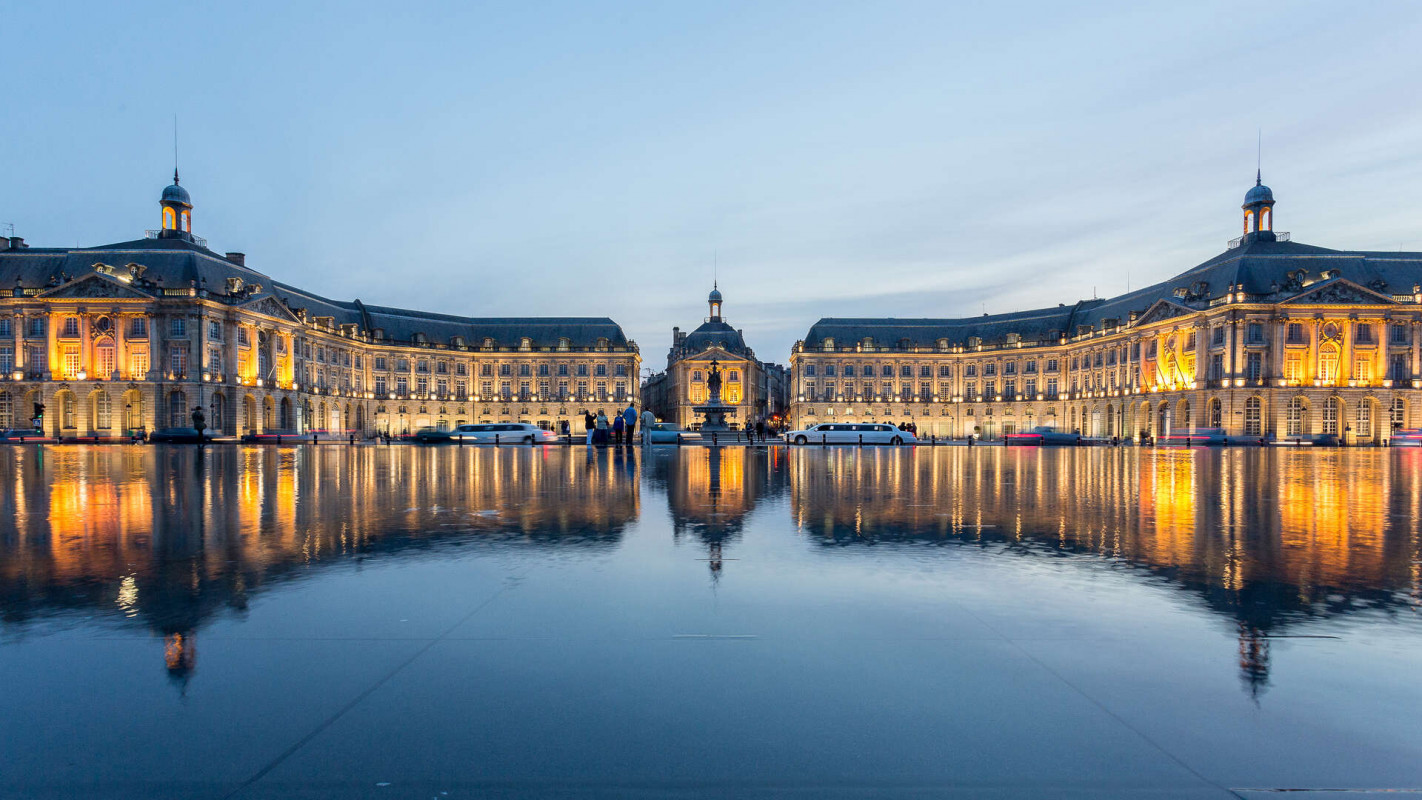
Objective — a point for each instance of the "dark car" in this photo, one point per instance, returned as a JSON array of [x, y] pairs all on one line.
[[23, 436], [178, 436]]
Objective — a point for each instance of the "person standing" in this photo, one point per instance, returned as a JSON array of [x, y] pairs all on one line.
[[589, 425], [648, 418], [629, 422], [617, 427], [601, 423], [760, 429]]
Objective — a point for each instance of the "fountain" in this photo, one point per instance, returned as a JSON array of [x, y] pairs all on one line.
[[713, 413]]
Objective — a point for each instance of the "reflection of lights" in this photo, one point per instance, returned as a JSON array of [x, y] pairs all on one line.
[[128, 596]]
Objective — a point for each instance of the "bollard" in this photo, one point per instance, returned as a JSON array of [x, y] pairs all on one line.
[[823, 442], [314, 438], [496, 440], [530, 441], [278, 438], [678, 439], [461, 440], [861, 440], [353, 438], [713, 439]]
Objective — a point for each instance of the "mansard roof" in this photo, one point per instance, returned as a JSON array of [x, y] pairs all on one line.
[[178, 263], [1265, 270]]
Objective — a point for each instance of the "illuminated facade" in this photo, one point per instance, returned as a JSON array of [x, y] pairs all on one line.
[[753, 389], [1269, 338], [134, 335]]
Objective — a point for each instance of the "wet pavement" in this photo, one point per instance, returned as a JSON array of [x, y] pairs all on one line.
[[404, 622]]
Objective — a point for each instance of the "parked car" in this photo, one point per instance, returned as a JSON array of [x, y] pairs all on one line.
[[23, 435], [851, 433], [178, 436], [672, 433], [488, 433]]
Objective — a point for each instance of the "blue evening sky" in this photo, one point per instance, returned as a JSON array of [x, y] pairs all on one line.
[[835, 159]]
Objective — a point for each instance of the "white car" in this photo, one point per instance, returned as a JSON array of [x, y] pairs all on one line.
[[502, 432], [672, 433], [851, 433]]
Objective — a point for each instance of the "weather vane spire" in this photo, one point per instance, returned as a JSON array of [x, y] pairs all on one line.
[[175, 149], [1259, 157]]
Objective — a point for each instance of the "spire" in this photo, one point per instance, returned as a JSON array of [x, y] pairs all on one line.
[[175, 176]]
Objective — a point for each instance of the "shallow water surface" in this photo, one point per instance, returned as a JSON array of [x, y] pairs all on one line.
[[395, 622]]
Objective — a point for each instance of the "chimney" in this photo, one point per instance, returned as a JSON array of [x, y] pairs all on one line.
[[240, 259]]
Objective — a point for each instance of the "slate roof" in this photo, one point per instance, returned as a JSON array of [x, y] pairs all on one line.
[[178, 263], [1268, 270], [714, 334]]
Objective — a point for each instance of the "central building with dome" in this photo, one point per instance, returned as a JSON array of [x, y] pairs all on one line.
[[755, 390]]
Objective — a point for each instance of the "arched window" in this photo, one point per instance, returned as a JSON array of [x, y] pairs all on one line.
[[170, 219], [103, 411], [1253, 417], [7, 411], [1294, 415], [1328, 365], [1182, 414], [1214, 413], [218, 411], [188, 221], [1248, 221], [1363, 429], [1399, 413], [1162, 422], [1266, 219], [177, 410], [105, 360], [1332, 412]]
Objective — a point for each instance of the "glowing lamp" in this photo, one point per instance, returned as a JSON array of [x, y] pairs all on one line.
[[81, 375], [17, 375]]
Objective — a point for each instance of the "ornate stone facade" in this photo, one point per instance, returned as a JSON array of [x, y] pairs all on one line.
[[133, 336], [1269, 338], [753, 389]]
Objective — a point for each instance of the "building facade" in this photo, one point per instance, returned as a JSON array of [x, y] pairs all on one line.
[[753, 389], [1269, 338], [134, 336]]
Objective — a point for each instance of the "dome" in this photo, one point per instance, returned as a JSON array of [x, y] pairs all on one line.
[[1259, 194], [714, 297], [176, 193]]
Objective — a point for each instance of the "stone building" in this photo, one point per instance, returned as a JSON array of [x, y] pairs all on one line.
[[134, 335], [754, 389], [1270, 337]]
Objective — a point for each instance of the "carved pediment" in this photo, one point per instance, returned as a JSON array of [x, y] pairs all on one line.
[[1339, 291], [1161, 310], [270, 306], [96, 284]]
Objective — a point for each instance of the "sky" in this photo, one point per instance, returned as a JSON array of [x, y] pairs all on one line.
[[613, 159]]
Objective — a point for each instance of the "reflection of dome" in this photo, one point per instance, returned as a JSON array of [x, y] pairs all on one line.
[[1258, 194], [176, 194]]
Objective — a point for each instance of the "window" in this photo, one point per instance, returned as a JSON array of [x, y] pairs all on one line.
[[1214, 413], [582, 370], [1293, 368], [1052, 364], [37, 326], [7, 362], [970, 370], [525, 371], [380, 386], [809, 370], [402, 385], [178, 410], [1294, 417], [71, 361], [177, 326], [1399, 413], [1253, 417], [67, 410], [945, 371], [1365, 333], [906, 371], [1029, 388], [1396, 370], [990, 369], [380, 362], [105, 360], [1217, 367], [442, 368], [925, 371], [1217, 337], [1328, 366], [138, 363], [1255, 333], [214, 331], [5, 331], [1254, 366], [887, 371], [71, 326], [422, 365], [103, 411], [1332, 410], [970, 391], [244, 339], [7, 411], [1397, 334], [1051, 388], [829, 370], [1363, 370], [543, 370], [1296, 334]]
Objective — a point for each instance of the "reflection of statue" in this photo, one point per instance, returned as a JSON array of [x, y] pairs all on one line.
[[199, 420], [713, 382], [1253, 659], [180, 657]]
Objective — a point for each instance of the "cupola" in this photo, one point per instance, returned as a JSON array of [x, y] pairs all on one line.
[[714, 301], [1259, 211], [177, 211]]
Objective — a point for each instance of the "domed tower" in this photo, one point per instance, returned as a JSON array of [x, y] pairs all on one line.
[[177, 212], [714, 300], [1259, 211]]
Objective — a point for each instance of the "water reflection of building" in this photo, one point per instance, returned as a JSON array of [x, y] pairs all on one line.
[[171, 538], [711, 490], [1267, 538]]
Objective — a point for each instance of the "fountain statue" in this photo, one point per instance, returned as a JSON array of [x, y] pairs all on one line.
[[713, 413]]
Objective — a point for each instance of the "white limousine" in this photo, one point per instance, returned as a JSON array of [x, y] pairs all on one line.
[[851, 433]]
